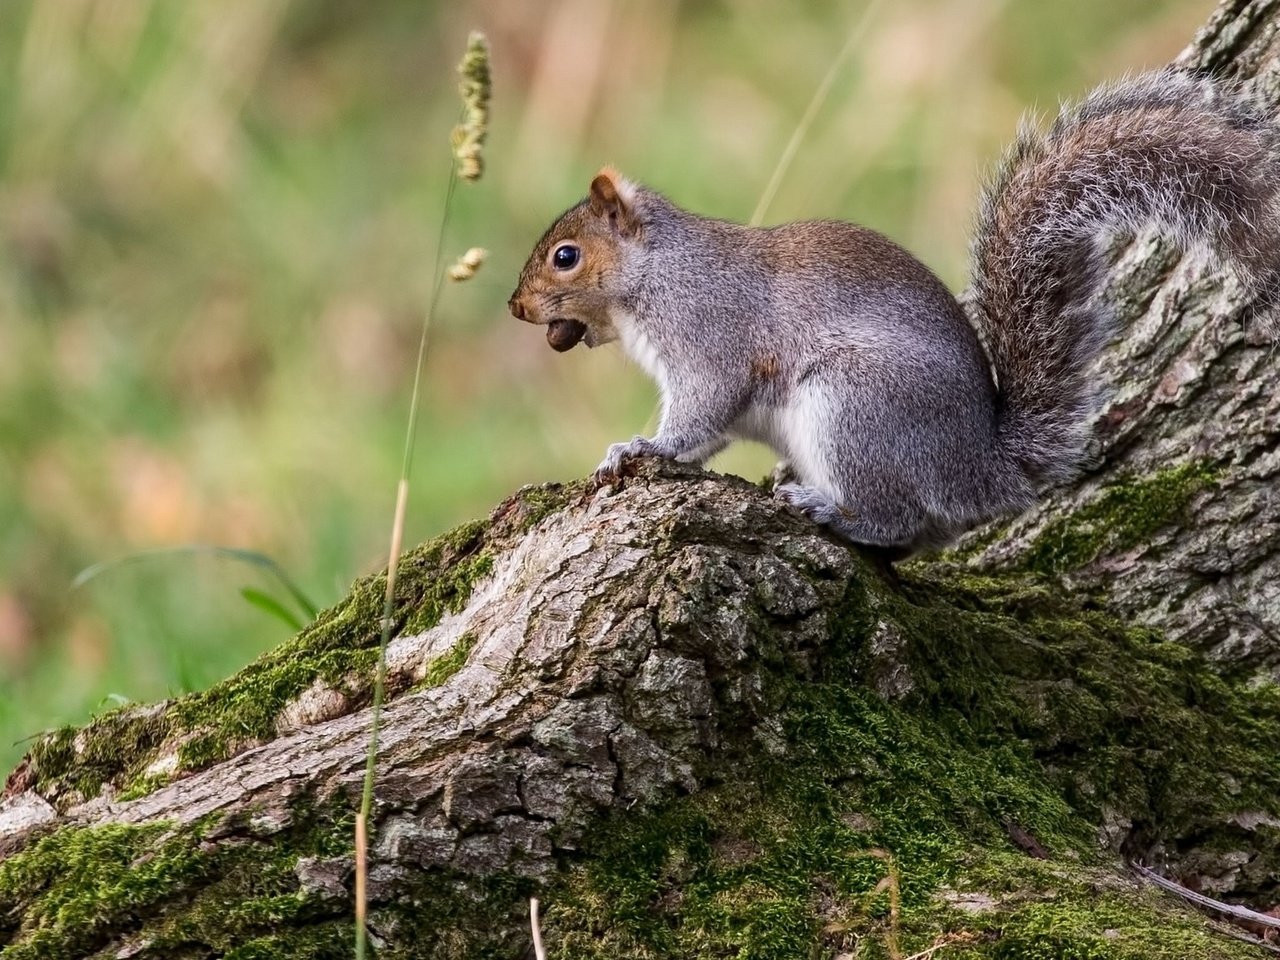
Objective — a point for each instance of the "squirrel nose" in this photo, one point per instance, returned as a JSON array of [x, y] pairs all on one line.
[[516, 308]]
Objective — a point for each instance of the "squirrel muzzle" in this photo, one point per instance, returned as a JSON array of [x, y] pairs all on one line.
[[562, 334]]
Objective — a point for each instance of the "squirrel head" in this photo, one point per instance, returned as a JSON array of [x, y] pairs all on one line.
[[576, 275]]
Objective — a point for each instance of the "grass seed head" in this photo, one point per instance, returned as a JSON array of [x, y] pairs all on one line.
[[475, 88], [465, 267]]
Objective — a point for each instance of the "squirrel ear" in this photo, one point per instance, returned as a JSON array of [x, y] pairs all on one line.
[[613, 196]]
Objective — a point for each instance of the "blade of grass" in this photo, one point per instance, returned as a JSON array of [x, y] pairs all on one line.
[[393, 562], [270, 605], [811, 112], [388, 603], [362, 874], [251, 557]]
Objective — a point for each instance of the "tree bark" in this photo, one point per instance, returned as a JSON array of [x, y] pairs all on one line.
[[697, 725], [1189, 384]]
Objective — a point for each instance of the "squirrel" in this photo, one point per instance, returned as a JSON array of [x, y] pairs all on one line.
[[903, 418]]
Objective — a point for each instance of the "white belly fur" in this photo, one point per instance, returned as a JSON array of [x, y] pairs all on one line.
[[639, 347], [794, 431]]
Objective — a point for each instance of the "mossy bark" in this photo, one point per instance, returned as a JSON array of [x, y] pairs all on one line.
[[696, 725]]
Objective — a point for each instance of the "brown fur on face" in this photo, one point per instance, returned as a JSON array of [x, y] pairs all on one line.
[[599, 227]]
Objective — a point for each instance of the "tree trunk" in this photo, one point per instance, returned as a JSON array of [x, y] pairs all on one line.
[[694, 724], [1178, 518]]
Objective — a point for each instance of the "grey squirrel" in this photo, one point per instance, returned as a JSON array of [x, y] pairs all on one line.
[[852, 360]]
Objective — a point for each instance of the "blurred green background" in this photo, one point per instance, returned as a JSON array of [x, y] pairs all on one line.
[[217, 225]]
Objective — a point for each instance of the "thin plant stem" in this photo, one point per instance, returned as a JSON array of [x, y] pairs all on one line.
[[362, 877], [539, 951], [811, 112], [406, 467], [1232, 910], [388, 602], [958, 939]]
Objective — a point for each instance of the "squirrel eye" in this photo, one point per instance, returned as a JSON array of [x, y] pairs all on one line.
[[565, 257]]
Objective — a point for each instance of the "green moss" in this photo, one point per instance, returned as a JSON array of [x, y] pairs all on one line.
[[244, 709], [443, 667], [1125, 514], [116, 744], [457, 560], [1119, 717], [326, 941], [1024, 711], [1082, 924], [78, 887], [790, 860], [444, 915], [143, 785], [1014, 708], [789, 857], [340, 648], [77, 883], [535, 504]]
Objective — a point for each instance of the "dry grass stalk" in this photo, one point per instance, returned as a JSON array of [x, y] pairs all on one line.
[[811, 112], [468, 139], [539, 951]]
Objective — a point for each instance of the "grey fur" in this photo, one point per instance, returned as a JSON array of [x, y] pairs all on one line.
[[1164, 149], [851, 359]]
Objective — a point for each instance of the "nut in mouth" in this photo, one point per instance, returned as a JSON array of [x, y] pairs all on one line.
[[564, 334]]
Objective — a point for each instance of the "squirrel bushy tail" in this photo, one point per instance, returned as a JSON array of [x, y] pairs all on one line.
[[1165, 148]]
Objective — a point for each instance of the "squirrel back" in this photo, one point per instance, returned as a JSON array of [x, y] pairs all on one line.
[[1163, 149]]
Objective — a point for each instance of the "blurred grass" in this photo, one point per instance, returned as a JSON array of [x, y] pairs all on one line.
[[216, 226]]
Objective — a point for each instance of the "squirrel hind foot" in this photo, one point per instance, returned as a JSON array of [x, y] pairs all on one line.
[[896, 537]]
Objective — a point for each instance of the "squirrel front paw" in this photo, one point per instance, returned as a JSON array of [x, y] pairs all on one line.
[[611, 466]]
